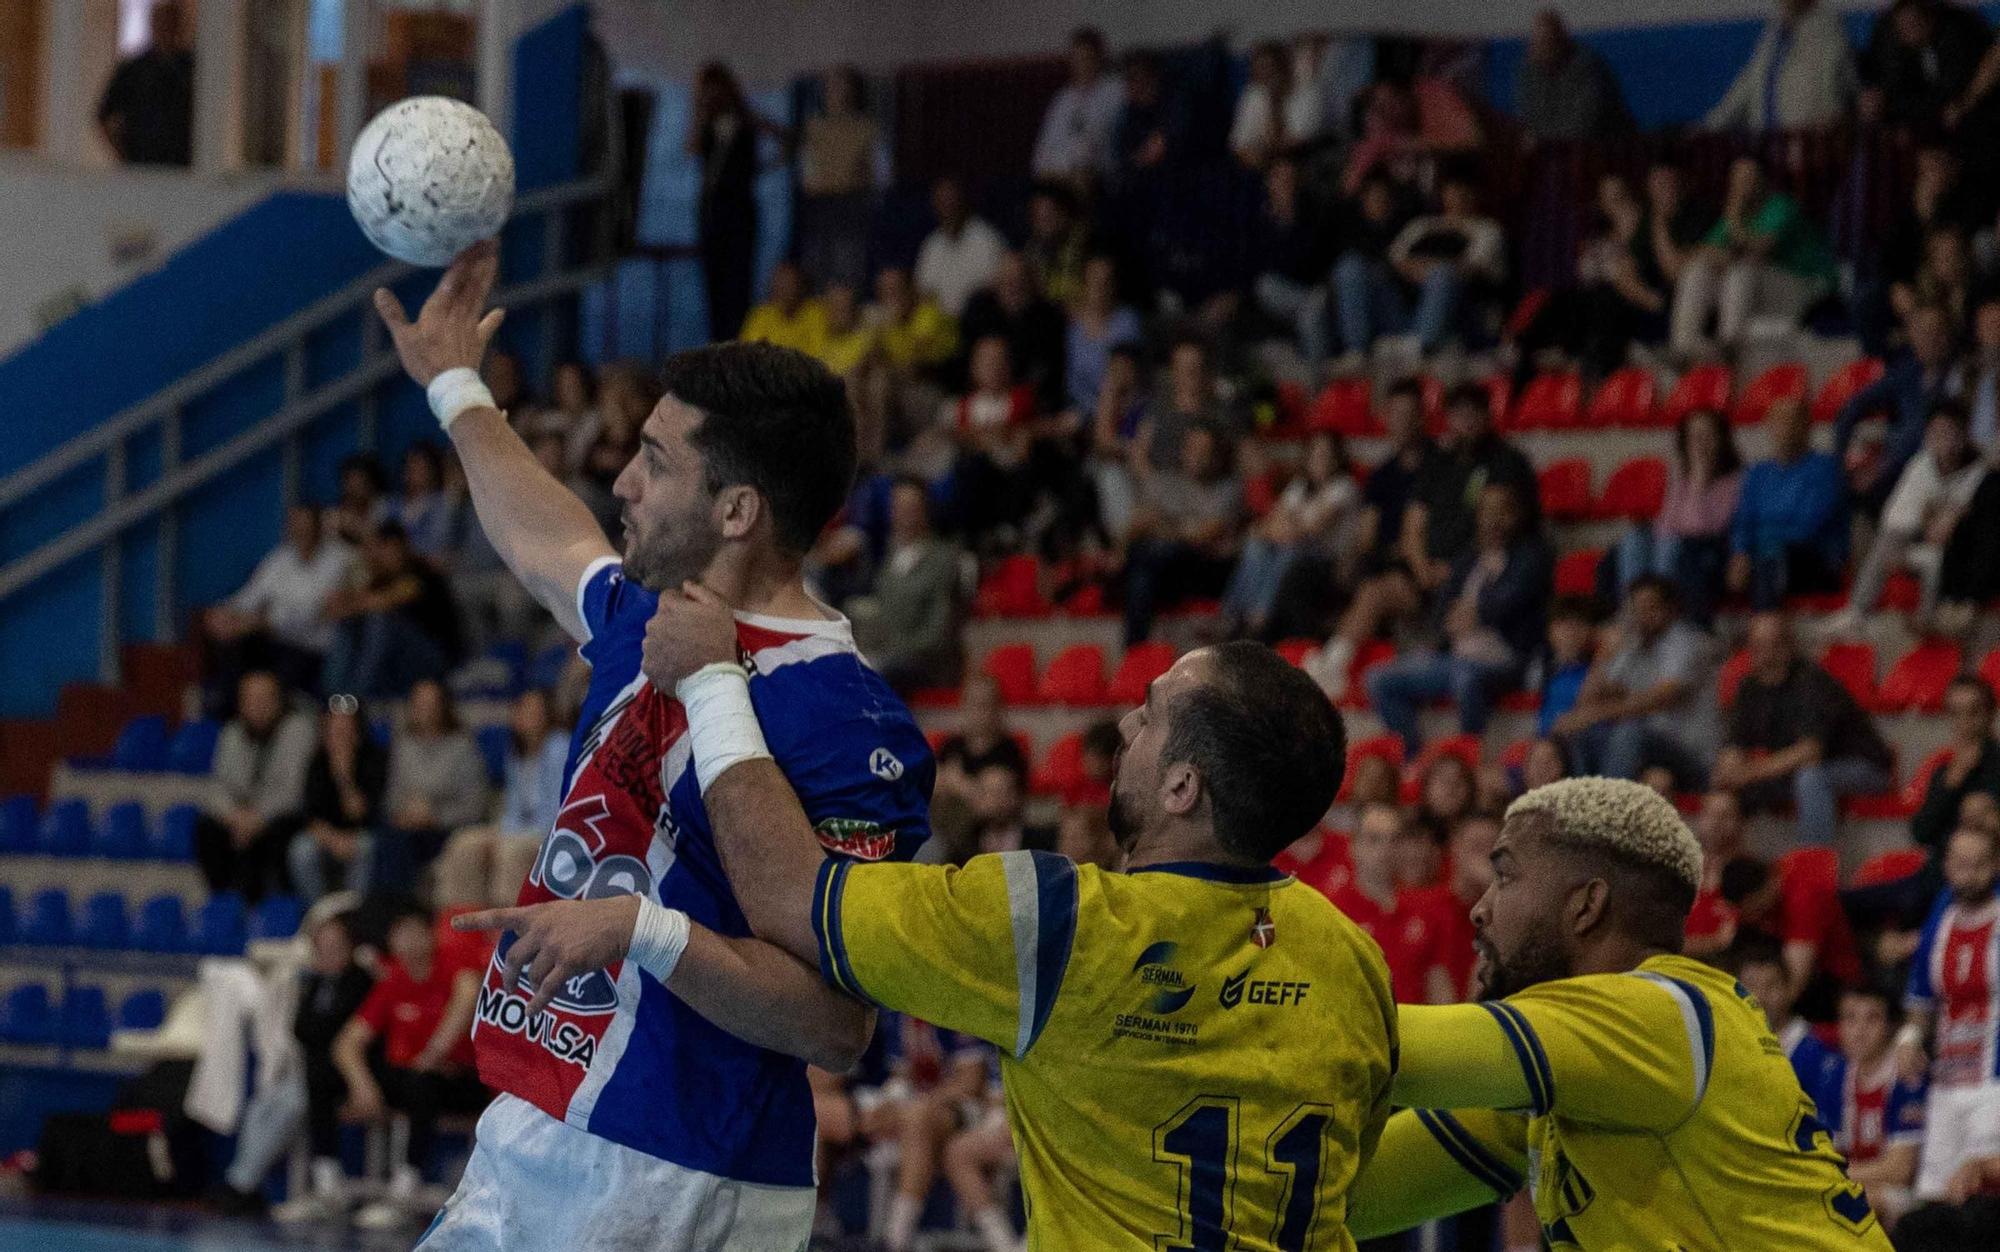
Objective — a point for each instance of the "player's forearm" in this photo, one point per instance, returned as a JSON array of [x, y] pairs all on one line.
[[1410, 1180], [1457, 1057], [769, 851], [538, 526], [763, 996]]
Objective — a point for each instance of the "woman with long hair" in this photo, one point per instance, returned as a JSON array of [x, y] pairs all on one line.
[[1689, 541], [723, 135]]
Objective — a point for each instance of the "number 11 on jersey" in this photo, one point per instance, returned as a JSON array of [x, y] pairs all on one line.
[[1202, 1141]]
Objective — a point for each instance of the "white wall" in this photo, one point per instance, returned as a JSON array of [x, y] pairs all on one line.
[[769, 40], [93, 230]]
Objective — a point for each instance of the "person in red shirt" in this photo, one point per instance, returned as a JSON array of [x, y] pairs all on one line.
[[1796, 900], [1711, 923], [1450, 906], [1394, 917], [421, 1012]]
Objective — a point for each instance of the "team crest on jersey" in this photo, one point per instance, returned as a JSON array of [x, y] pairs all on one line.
[[855, 837], [1263, 931]]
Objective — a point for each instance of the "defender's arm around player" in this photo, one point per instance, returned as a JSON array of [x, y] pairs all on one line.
[[549, 541]]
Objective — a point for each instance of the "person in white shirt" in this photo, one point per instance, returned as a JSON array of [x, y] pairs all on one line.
[[961, 255], [1442, 258], [1929, 500], [1801, 76], [277, 620], [1075, 143], [1276, 113]]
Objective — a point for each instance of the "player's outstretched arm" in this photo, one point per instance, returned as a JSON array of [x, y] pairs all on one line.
[[539, 527], [1430, 1165]]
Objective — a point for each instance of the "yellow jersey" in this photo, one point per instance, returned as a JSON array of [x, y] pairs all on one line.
[[1194, 1057], [1651, 1110], [804, 330]]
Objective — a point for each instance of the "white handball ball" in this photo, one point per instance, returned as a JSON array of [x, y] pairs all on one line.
[[430, 177]]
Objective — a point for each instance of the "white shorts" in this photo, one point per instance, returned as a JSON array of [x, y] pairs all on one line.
[[535, 1184], [1960, 1124]]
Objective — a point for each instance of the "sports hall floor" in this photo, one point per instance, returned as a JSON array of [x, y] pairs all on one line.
[[48, 1226]]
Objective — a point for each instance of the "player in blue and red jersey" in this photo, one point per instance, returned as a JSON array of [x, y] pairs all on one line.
[[636, 1114]]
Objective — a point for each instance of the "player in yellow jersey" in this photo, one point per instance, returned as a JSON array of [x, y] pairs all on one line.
[[1196, 1053], [1638, 1093]]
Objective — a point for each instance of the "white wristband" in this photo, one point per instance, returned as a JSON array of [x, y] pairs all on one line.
[[659, 936], [454, 391], [722, 723]]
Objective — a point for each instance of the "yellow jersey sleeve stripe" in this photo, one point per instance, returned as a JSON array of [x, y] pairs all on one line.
[[1534, 1061], [834, 966], [1041, 897], [1699, 1018], [1471, 1155]]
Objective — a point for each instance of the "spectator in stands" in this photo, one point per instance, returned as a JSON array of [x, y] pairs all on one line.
[[1449, 261], [1877, 1115], [1152, 124], [493, 605], [848, 345], [1762, 261], [1395, 917], [331, 988], [502, 373], [437, 783], [1275, 115], [1292, 247], [787, 318], [1981, 379], [961, 254], [722, 135], [1033, 327], [362, 506], [1374, 219], [1906, 395], [993, 428], [574, 413], [935, 1073], [1711, 924], [345, 784], [1920, 58], [1058, 243], [839, 156], [398, 626], [1801, 75], [277, 620], [914, 340], [1391, 144], [1572, 646], [1688, 542], [1567, 92], [254, 790], [1489, 622], [147, 112], [1796, 734], [1000, 814], [1450, 906], [982, 739], [1307, 524], [1075, 143], [1391, 486], [1760, 969], [1547, 762], [1642, 708], [1789, 535], [1186, 532], [908, 626], [976, 1161], [1973, 763], [1929, 501], [1098, 322], [1114, 428], [1420, 843], [488, 863], [1944, 278], [1938, 197], [1084, 833], [421, 1011], [422, 509]]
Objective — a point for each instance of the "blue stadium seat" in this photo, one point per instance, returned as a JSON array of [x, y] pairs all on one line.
[[493, 744], [143, 1010], [193, 748], [66, 829], [176, 834], [123, 834], [220, 928], [105, 922], [26, 1016], [47, 922], [142, 745], [513, 654], [277, 917], [162, 926], [18, 821], [546, 669], [86, 1020], [9, 932]]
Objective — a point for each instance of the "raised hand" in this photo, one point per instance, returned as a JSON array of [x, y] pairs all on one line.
[[692, 628], [454, 326], [558, 940]]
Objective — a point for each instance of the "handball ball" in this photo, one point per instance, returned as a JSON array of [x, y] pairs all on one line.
[[430, 177]]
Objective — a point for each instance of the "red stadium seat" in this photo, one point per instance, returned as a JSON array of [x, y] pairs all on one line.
[[1344, 406], [1989, 671], [1550, 402], [1012, 666], [1464, 747], [934, 698], [1062, 769], [1635, 490], [1703, 387], [1075, 677], [1839, 389], [1295, 651], [1919, 679], [1141, 664], [1853, 666], [1576, 572], [1565, 489], [1366, 657], [1891, 866], [1012, 588], [1629, 398], [1780, 382], [1730, 677]]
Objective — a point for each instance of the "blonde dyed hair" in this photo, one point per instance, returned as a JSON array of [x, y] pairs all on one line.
[[1625, 819]]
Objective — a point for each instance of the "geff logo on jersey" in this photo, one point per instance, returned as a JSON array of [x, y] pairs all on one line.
[[1274, 991]]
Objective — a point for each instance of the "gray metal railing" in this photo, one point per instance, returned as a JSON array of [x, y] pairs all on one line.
[[123, 509]]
